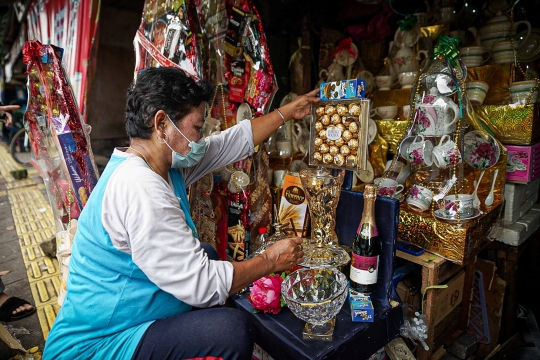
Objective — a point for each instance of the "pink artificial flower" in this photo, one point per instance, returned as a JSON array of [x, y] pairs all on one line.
[[265, 294]]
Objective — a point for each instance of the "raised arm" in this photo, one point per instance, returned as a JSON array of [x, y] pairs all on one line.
[[264, 126]]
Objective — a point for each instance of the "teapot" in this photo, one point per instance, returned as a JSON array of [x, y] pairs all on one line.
[[435, 114], [500, 29], [406, 61]]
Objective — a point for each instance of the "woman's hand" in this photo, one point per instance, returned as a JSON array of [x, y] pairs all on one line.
[[284, 254], [301, 106]]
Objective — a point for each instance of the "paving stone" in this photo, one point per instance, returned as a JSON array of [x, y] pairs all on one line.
[[463, 347]]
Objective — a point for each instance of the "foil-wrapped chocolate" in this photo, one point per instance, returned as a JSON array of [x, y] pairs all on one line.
[[318, 126], [353, 144], [340, 142], [335, 119], [333, 150], [342, 110], [346, 135], [325, 120], [329, 110], [345, 150], [327, 158], [354, 109], [324, 148], [353, 127], [317, 142], [317, 156], [339, 159], [319, 111]]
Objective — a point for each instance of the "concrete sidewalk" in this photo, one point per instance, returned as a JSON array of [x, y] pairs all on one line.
[[26, 220]]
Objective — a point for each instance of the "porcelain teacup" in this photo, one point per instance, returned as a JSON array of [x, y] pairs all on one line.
[[385, 112], [385, 82], [420, 151], [388, 187], [462, 205], [445, 154], [419, 198], [477, 91], [474, 55], [520, 91]]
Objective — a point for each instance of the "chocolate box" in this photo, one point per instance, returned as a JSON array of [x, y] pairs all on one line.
[[361, 307], [523, 163]]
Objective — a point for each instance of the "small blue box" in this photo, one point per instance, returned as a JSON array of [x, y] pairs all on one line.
[[361, 307], [344, 89]]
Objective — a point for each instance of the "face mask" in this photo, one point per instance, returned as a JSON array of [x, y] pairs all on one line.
[[193, 157]]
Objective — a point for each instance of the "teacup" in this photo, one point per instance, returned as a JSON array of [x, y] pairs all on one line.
[[462, 205], [419, 198], [406, 109], [503, 52], [420, 151], [385, 112], [407, 79], [521, 91], [388, 187], [384, 82], [474, 55], [445, 154], [477, 91]]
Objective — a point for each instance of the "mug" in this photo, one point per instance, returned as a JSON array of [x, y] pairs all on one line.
[[477, 91], [419, 198], [503, 52], [407, 79], [420, 151], [474, 55], [385, 112], [462, 205], [384, 82], [388, 187], [406, 109], [445, 154], [520, 91]]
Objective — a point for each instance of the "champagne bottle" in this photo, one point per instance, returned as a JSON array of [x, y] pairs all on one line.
[[366, 247]]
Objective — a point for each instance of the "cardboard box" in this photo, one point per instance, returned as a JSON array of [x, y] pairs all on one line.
[[361, 307], [293, 206], [343, 89], [10, 341], [523, 163], [526, 225], [409, 294], [447, 299], [513, 215]]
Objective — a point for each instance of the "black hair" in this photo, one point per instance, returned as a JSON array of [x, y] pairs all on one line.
[[165, 88]]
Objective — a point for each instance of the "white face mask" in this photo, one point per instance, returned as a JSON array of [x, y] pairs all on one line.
[[193, 157]]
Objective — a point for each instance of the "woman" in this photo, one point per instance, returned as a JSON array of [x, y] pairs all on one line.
[[137, 267]]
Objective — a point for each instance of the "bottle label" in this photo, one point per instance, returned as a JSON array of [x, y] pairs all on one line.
[[364, 269], [367, 230]]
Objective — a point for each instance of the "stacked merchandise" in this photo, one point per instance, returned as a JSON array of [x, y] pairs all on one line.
[[223, 43], [60, 143]]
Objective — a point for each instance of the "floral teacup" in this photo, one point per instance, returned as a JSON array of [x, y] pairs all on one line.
[[445, 154], [419, 198], [462, 205], [388, 187], [420, 151]]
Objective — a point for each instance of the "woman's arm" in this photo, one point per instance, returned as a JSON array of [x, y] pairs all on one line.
[[265, 125]]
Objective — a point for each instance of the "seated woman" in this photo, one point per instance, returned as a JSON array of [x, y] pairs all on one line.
[[13, 308], [137, 266]]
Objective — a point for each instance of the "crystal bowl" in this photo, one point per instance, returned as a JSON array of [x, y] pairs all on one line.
[[315, 295]]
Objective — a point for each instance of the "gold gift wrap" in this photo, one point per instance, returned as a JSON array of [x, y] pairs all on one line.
[[458, 244], [433, 31], [498, 77], [511, 124], [392, 131]]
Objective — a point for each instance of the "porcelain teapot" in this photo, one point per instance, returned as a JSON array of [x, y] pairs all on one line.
[[500, 29], [405, 60], [435, 114]]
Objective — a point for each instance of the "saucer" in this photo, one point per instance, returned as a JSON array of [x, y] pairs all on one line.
[[481, 150], [529, 50], [439, 214], [243, 113], [372, 131], [365, 176]]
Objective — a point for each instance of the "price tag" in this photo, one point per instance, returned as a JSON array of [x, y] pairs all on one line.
[[333, 133]]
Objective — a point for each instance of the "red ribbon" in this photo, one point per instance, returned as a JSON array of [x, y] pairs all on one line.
[[344, 45], [31, 49]]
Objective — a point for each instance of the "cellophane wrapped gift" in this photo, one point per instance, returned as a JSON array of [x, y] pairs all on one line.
[[60, 144], [439, 95], [167, 37]]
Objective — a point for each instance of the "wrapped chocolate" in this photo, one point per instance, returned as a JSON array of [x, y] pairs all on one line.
[[332, 144]]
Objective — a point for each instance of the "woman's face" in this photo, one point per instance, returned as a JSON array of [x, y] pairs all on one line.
[[191, 126]]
